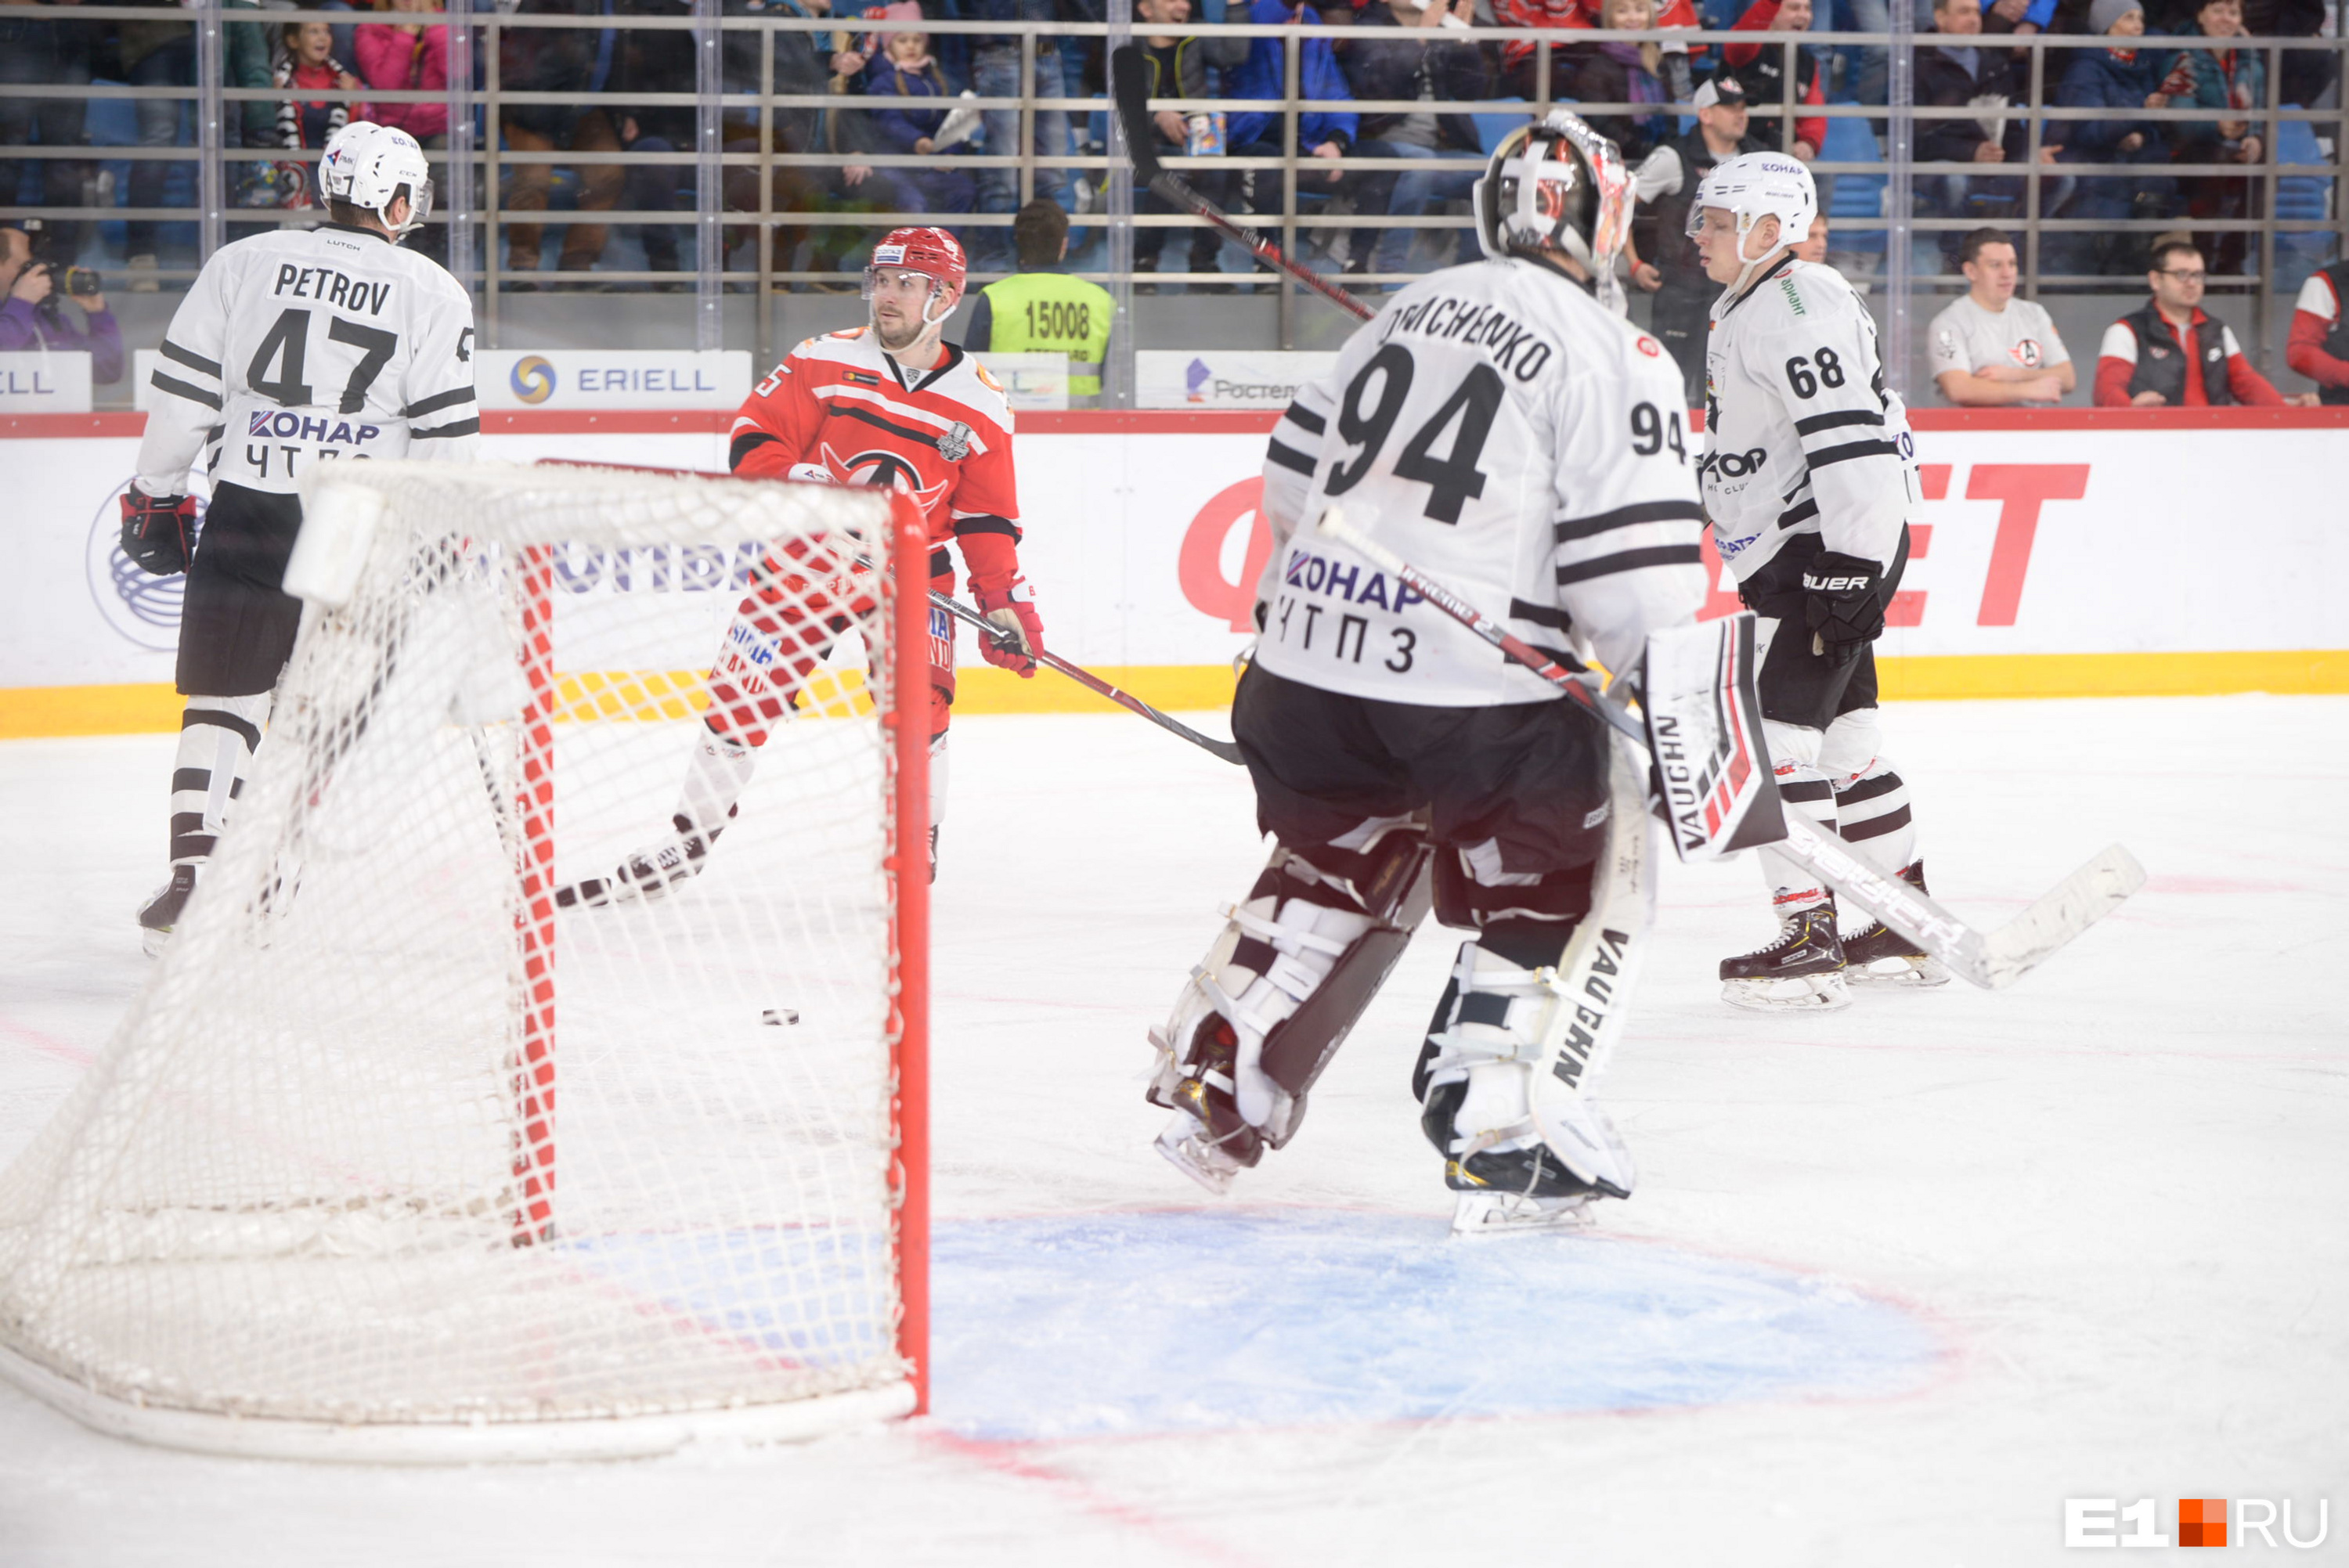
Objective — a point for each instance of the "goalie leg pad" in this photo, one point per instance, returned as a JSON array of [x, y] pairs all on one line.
[[1284, 983], [1526, 1040]]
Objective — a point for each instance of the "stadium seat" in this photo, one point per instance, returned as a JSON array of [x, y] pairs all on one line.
[[1491, 128], [1849, 140], [2300, 198]]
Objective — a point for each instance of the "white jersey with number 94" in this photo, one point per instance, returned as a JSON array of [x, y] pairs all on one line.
[[1503, 432], [308, 344]]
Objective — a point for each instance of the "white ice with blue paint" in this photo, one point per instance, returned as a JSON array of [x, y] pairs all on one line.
[[1095, 1325], [1896, 1282]]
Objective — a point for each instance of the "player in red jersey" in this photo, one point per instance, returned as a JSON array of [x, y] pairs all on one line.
[[890, 405]]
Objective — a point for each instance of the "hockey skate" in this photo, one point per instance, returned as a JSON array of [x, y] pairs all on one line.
[[1207, 1140], [1877, 954], [1803, 971], [1498, 1194], [159, 914], [650, 872]]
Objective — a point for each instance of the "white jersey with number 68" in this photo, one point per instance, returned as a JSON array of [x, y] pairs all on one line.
[[306, 344], [1802, 436], [1514, 441]]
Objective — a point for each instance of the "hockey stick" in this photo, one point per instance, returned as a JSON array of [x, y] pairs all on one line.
[[1004, 642], [1129, 82], [1224, 750], [1991, 960]]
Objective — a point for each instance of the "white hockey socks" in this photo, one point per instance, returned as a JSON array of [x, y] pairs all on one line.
[[218, 735], [1871, 810], [715, 777]]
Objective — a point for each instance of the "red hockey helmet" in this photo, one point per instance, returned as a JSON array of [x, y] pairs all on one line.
[[931, 252]]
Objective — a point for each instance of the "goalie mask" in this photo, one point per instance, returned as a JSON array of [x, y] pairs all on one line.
[[936, 255], [1751, 187], [1556, 186], [371, 166]]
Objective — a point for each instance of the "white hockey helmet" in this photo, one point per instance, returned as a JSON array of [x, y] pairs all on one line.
[[369, 165], [1556, 182], [1757, 185]]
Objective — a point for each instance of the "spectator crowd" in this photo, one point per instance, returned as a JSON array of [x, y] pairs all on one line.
[[2160, 120]]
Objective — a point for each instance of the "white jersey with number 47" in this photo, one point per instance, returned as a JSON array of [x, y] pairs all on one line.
[[1514, 441], [306, 344]]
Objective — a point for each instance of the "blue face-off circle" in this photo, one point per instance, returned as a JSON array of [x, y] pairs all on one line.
[[1198, 1320], [1202, 1320]]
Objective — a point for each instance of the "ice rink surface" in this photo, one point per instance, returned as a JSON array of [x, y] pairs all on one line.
[[1896, 1282]]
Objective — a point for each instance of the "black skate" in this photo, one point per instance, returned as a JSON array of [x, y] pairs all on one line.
[[161, 912], [1802, 971], [648, 874], [1503, 1192], [1207, 1141], [1877, 954]]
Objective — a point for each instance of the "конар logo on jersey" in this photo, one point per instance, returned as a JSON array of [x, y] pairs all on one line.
[[531, 378]]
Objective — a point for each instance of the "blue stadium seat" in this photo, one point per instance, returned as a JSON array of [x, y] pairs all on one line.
[[1850, 140], [1491, 128], [2303, 198]]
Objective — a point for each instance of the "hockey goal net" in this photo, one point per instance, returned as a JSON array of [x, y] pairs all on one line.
[[409, 1152]]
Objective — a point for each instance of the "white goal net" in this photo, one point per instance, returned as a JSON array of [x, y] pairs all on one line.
[[408, 1150]]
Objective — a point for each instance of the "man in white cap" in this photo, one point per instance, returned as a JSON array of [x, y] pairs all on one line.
[[1668, 178], [1809, 478]]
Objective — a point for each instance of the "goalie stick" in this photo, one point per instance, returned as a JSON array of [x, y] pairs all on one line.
[[1991, 960], [1129, 83]]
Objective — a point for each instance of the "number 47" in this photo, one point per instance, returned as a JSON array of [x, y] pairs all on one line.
[[289, 338]]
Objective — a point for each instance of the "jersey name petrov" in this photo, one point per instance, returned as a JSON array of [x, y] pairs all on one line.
[[311, 344], [346, 292]]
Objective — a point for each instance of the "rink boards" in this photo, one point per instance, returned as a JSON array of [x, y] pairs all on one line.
[[2071, 553]]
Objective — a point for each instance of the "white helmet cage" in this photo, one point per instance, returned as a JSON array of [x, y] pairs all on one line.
[[370, 165], [1752, 186], [1559, 183]]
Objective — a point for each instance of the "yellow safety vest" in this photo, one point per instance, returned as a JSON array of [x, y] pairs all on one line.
[[1040, 313]]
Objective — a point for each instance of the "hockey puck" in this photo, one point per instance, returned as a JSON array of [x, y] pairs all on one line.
[[778, 1016]]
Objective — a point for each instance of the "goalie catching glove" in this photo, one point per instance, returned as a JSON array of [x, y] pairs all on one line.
[[1022, 636], [157, 531], [1843, 604]]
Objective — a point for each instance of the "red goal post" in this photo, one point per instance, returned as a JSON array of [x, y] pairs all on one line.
[[399, 1157]]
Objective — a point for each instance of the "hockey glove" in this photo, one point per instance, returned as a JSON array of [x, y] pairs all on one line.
[[1023, 638], [1842, 604], [155, 530]]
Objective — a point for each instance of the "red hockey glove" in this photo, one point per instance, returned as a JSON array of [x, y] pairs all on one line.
[[155, 530], [1022, 638]]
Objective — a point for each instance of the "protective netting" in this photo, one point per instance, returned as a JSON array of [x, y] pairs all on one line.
[[405, 1134]]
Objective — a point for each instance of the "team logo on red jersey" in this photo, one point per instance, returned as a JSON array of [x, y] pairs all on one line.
[[883, 469], [955, 444]]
